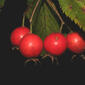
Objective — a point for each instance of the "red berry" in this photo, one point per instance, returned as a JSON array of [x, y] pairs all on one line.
[[75, 42], [84, 44], [18, 34], [31, 45], [55, 43]]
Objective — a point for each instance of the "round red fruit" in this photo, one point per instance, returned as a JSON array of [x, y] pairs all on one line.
[[18, 34], [31, 46], [75, 42], [55, 44]]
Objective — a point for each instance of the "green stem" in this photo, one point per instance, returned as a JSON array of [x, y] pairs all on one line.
[[23, 20], [31, 27]]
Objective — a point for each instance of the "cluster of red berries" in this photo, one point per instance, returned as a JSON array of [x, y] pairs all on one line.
[[31, 45]]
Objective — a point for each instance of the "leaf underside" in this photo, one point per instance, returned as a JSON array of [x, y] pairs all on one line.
[[74, 9]]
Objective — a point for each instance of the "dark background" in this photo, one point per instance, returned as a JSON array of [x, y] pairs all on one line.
[[10, 18]]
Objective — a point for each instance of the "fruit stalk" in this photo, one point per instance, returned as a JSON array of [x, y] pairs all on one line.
[[56, 11], [33, 14], [23, 20], [34, 10]]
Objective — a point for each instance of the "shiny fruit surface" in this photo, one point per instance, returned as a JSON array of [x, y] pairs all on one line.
[[55, 43], [31, 46], [75, 42], [18, 34]]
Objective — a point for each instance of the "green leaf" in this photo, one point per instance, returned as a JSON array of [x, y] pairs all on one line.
[[2, 3], [74, 9]]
